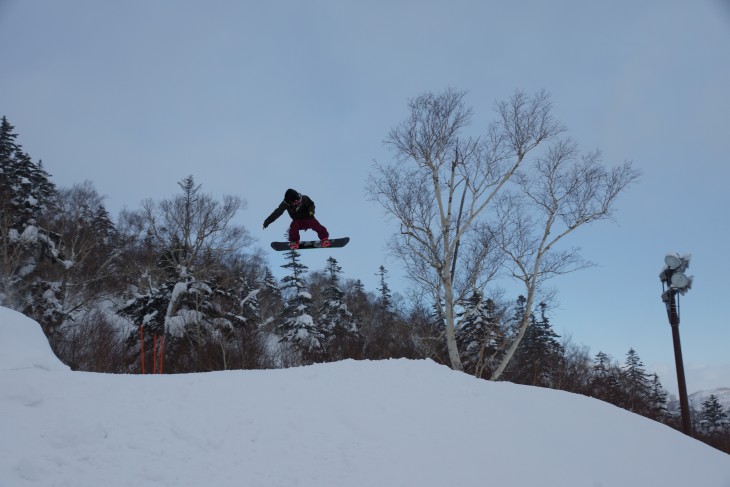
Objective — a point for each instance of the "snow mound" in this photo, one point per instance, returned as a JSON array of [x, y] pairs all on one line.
[[351, 423], [23, 344]]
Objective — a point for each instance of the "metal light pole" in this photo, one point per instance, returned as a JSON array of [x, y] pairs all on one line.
[[676, 281]]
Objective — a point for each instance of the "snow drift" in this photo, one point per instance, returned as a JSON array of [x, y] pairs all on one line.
[[23, 344], [389, 423]]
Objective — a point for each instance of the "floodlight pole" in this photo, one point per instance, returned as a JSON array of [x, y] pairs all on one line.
[[670, 299]]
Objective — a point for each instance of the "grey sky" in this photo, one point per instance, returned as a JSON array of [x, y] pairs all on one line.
[[255, 97]]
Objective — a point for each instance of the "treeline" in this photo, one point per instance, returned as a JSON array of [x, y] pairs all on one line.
[[171, 288]]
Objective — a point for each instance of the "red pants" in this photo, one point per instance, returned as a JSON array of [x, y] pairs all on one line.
[[306, 224]]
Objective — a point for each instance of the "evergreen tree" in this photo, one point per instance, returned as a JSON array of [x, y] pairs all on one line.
[[337, 321], [251, 349], [385, 299], [635, 382], [518, 312], [437, 332], [25, 187], [478, 335], [270, 299], [270, 284], [538, 357], [25, 193], [359, 287], [249, 306], [656, 400], [381, 328], [197, 331], [357, 299], [606, 380], [601, 363], [713, 418], [298, 328], [186, 240]]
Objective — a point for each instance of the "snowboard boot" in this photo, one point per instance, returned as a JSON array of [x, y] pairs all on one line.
[[325, 243], [294, 245]]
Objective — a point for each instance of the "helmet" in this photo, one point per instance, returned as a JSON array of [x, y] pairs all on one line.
[[291, 196]]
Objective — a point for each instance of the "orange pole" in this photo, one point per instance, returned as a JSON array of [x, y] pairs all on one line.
[[141, 346], [154, 354]]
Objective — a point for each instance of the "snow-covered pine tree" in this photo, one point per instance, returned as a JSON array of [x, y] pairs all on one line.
[[385, 299], [538, 358], [88, 242], [635, 382], [250, 347], [358, 287], [25, 187], [197, 331], [188, 238], [517, 312], [147, 308], [25, 192], [713, 418], [478, 335], [248, 303], [357, 298], [606, 380], [381, 328], [656, 400], [336, 320], [270, 284], [436, 335], [270, 300], [298, 328]]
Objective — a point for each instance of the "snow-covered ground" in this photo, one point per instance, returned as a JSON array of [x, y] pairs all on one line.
[[389, 423]]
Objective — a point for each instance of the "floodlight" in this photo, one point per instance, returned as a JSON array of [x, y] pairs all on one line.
[[680, 280], [673, 261], [683, 290]]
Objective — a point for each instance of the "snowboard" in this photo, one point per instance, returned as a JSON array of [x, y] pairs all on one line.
[[311, 244]]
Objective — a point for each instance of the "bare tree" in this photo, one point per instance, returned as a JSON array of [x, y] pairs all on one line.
[[195, 227], [443, 180], [561, 192], [194, 232], [86, 240]]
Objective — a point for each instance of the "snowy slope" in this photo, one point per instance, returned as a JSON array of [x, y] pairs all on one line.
[[389, 423]]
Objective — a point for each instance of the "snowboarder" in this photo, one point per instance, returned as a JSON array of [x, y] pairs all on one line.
[[301, 210]]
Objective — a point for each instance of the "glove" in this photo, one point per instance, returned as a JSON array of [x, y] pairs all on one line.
[[266, 224]]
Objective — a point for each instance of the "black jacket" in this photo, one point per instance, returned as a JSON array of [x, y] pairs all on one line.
[[304, 210]]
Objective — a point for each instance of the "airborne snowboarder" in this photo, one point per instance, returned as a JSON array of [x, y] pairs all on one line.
[[301, 210]]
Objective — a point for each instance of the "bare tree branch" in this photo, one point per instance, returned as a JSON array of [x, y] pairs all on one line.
[[562, 192], [433, 160]]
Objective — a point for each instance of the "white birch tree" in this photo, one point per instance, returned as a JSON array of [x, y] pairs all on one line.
[[443, 180], [559, 193]]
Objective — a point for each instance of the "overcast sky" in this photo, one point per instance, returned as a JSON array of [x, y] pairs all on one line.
[[252, 98]]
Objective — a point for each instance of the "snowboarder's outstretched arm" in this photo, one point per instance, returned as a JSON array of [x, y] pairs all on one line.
[[275, 214]]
